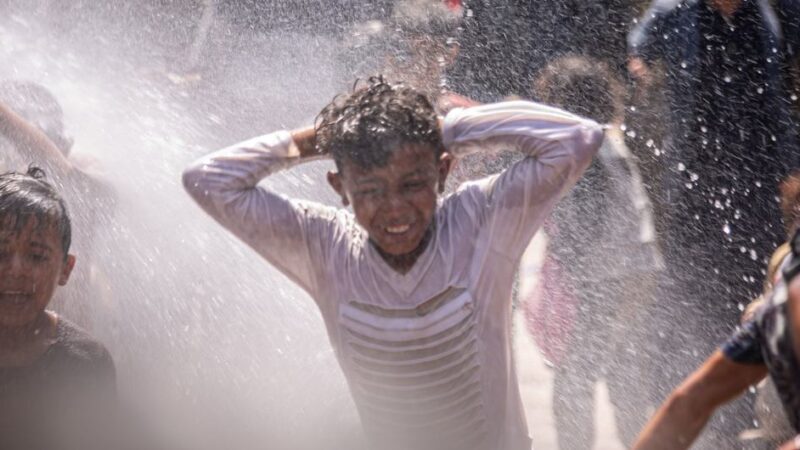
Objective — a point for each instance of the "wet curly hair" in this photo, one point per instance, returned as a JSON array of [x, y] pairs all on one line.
[[366, 126], [25, 196]]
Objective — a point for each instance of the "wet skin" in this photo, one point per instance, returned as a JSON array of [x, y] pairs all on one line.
[[32, 264], [396, 203]]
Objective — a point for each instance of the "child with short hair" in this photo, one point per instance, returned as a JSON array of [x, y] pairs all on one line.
[[415, 290], [32, 123], [53, 376]]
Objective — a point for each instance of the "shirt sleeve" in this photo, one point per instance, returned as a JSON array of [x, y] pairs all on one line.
[[644, 39], [559, 146], [744, 347], [287, 233]]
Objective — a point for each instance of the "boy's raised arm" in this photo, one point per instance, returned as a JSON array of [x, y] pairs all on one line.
[[29, 139], [283, 231], [559, 146]]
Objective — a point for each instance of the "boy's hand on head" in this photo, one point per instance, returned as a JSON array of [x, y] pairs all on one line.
[[306, 141], [450, 101]]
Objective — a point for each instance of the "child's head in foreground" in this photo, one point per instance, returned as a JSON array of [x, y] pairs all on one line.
[[390, 159], [584, 86], [35, 236]]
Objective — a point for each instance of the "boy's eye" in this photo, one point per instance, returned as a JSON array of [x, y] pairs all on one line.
[[416, 185], [368, 192], [39, 257]]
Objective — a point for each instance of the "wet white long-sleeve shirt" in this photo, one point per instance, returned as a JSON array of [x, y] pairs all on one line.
[[427, 354]]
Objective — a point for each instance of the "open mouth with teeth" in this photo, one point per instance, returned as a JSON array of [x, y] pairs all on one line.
[[14, 297], [398, 229]]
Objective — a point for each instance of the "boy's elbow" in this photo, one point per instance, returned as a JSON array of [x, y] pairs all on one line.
[[590, 139], [192, 179]]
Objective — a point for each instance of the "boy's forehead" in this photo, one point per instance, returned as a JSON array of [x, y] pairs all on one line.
[[31, 227], [404, 160]]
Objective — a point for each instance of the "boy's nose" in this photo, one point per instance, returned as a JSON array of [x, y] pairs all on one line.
[[14, 266], [394, 200]]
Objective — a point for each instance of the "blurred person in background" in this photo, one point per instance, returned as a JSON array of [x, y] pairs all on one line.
[[32, 124], [731, 139], [602, 237]]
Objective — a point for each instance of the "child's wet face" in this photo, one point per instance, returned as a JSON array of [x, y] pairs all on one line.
[[32, 264], [396, 203]]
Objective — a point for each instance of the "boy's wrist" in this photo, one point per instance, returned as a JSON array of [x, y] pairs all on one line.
[[305, 143]]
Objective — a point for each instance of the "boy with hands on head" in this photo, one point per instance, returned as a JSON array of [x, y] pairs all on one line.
[[414, 289]]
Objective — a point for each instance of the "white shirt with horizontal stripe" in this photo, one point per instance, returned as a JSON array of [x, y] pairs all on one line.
[[427, 354]]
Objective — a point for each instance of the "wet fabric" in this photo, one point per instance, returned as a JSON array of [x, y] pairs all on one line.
[[427, 354], [766, 339], [57, 402]]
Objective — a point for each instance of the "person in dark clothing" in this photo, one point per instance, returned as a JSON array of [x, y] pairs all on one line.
[[731, 139], [57, 384]]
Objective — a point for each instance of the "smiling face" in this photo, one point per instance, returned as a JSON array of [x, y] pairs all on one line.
[[395, 203], [32, 264]]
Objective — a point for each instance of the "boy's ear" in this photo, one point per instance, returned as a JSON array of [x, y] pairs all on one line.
[[445, 165], [66, 270], [335, 180]]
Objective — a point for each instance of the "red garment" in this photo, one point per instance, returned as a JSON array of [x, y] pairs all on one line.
[[453, 4], [550, 311]]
